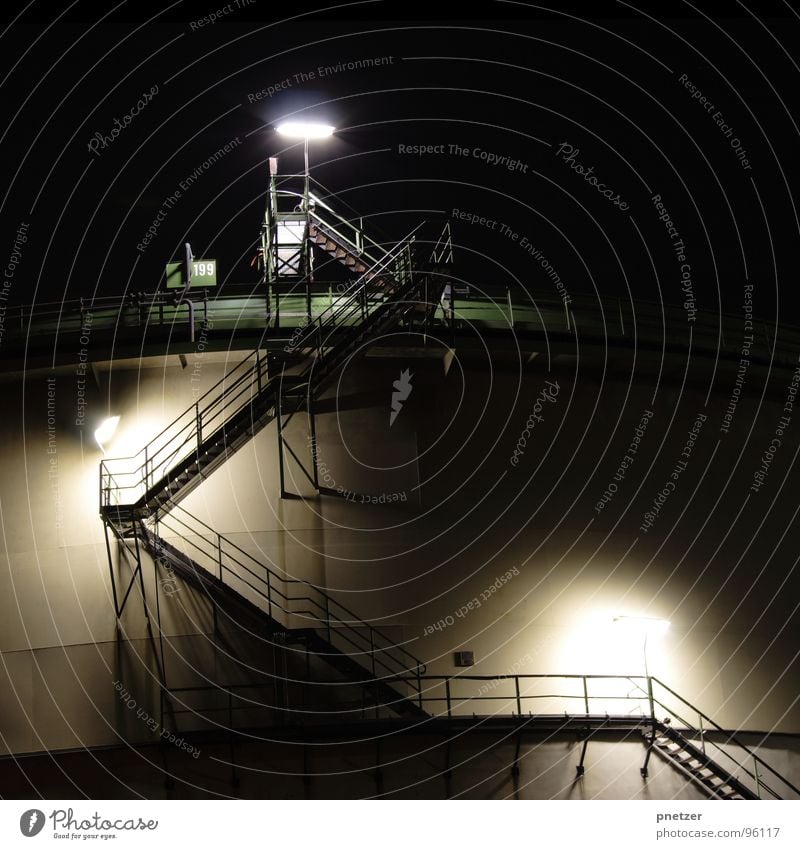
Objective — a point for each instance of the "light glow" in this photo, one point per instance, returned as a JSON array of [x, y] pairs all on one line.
[[305, 130], [106, 430], [647, 626]]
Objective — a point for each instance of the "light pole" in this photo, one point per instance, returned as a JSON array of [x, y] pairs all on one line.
[[306, 130], [647, 626]]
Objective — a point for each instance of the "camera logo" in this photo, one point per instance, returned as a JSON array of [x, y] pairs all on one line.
[[31, 822]]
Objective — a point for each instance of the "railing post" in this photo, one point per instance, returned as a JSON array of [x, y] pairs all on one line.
[[702, 733], [146, 472], [328, 618], [650, 698], [447, 693], [219, 555], [586, 695], [199, 426], [519, 700], [269, 594], [755, 775]]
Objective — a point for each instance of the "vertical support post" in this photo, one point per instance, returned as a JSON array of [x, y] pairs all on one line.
[[510, 308], [650, 699], [141, 571], [328, 618], [313, 428], [158, 624], [279, 423], [586, 695], [519, 699], [111, 570], [580, 769], [199, 427], [452, 314], [702, 733], [756, 776], [269, 595], [231, 738], [427, 311], [447, 693]]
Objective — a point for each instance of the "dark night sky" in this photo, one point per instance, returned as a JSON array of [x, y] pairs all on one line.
[[518, 83]]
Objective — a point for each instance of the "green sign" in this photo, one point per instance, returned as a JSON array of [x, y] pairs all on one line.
[[204, 273]]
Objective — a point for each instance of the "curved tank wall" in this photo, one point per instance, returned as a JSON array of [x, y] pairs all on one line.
[[496, 512]]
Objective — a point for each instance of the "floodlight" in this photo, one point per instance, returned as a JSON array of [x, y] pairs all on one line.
[[106, 430], [305, 130], [647, 625]]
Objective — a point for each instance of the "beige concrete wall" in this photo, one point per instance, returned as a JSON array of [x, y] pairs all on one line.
[[724, 579]]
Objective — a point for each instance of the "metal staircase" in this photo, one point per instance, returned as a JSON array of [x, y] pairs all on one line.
[[397, 285], [697, 766], [139, 495], [297, 612]]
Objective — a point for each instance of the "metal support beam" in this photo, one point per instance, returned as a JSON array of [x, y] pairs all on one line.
[[580, 768], [651, 740]]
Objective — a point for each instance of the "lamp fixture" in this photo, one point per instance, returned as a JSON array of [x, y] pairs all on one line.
[[106, 430]]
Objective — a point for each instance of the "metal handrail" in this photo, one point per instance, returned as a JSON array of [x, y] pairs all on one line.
[[730, 737], [332, 317], [184, 433], [214, 408], [325, 613], [643, 683]]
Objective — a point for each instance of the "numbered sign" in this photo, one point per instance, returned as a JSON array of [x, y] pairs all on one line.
[[204, 273]]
